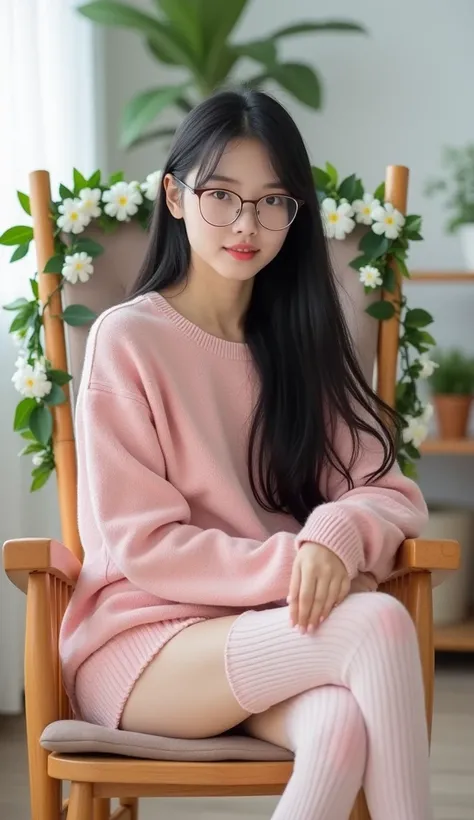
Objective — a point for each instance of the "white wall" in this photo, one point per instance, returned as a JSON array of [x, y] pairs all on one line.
[[396, 96]]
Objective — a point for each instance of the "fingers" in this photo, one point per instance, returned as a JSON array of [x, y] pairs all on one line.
[[306, 599], [294, 593]]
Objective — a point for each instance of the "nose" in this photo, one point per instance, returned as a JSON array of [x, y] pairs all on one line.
[[247, 222]]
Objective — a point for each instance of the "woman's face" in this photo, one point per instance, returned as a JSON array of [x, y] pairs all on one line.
[[240, 250]]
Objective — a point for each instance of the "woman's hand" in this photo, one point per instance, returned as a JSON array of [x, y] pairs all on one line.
[[319, 580]]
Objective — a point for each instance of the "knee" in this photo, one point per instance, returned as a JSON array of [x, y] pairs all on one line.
[[390, 619]]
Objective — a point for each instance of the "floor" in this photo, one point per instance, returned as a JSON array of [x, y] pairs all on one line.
[[452, 760]]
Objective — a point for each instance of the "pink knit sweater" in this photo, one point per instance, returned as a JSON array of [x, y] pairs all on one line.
[[167, 518]]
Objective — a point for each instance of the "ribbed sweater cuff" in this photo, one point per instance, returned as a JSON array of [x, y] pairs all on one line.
[[329, 526]]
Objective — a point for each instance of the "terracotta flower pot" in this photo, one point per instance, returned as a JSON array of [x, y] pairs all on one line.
[[453, 413]]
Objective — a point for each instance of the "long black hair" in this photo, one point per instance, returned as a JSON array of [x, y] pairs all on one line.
[[294, 326]]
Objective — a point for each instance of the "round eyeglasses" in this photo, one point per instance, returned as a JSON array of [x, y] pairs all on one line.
[[221, 208]]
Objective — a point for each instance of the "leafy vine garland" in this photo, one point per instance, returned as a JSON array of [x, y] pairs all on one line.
[[343, 205]]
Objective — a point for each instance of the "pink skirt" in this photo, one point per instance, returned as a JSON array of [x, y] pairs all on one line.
[[105, 680]]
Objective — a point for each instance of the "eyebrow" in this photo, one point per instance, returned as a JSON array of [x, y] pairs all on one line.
[[221, 178]]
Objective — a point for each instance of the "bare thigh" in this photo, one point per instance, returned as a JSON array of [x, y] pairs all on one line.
[[184, 691]]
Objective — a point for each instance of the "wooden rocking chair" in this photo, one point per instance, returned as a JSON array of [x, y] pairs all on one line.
[[47, 571]]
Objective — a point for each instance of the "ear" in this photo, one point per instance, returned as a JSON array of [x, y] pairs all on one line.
[[173, 196]]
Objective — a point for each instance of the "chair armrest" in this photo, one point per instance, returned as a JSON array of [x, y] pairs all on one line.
[[440, 557], [24, 556]]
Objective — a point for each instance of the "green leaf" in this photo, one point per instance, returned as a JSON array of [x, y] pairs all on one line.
[[374, 246], [80, 181], [300, 80], [23, 317], [65, 193], [17, 304], [347, 188], [88, 246], [77, 315], [58, 376], [20, 252], [417, 317], [185, 17], [414, 236], [23, 413], [143, 109], [427, 338], [263, 51], [360, 262], [408, 468], [309, 27], [379, 192], [118, 176], [34, 288], [413, 223], [381, 310], [34, 447], [412, 451], [151, 136], [320, 178], [400, 260], [332, 173], [24, 202], [111, 13], [40, 479], [41, 424], [55, 264], [55, 396], [18, 235], [94, 180], [359, 189], [27, 435]]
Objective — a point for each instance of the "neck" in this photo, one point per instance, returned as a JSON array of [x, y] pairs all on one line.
[[216, 305]]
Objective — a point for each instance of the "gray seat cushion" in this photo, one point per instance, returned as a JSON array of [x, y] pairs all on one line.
[[79, 737]]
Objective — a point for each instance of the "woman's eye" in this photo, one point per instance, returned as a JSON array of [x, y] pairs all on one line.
[[273, 200], [221, 195]]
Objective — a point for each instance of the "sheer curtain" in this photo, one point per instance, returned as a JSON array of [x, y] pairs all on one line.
[[49, 66]]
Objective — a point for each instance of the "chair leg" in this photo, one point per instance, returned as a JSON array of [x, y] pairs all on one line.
[[132, 804], [101, 810], [80, 802], [45, 792]]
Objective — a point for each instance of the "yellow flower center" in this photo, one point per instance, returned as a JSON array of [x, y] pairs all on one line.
[[74, 215], [366, 210], [30, 382], [389, 220], [79, 265], [333, 217], [123, 201]]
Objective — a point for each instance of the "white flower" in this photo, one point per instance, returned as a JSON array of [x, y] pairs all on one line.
[[417, 427], [31, 382], [78, 267], [123, 200], [72, 219], [151, 185], [337, 220], [363, 209], [387, 221], [38, 459], [370, 276], [428, 367], [89, 207]]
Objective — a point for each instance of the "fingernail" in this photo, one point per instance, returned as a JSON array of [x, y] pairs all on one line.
[[321, 618], [311, 628], [302, 630]]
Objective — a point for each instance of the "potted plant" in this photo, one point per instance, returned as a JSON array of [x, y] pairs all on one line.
[[459, 187], [199, 38], [452, 383]]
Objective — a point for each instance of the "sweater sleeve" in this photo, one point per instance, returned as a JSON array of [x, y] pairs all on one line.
[[144, 521], [365, 525]]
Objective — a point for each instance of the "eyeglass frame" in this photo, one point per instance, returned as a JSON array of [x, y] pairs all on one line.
[[200, 191]]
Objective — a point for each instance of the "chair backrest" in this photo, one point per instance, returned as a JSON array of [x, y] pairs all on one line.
[[115, 271]]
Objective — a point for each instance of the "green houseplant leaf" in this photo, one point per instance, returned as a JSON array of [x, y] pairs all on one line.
[[309, 27], [143, 109], [300, 80]]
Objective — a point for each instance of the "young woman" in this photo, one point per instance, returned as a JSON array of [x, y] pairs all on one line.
[[237, 486]]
